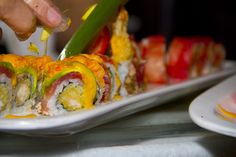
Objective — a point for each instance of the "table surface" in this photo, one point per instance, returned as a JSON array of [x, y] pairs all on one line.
[[165, 130]]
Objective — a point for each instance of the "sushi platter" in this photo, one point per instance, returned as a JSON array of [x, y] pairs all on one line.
[[116, 77], [78, 121]]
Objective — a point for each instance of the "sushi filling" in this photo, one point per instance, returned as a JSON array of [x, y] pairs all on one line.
[[23, 89], [70, 97], [5, 92]]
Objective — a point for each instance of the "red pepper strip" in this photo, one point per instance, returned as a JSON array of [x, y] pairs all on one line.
[[6, 71], [100, 45]]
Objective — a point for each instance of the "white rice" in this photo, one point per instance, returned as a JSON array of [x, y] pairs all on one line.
[[54, 107], [24, 109], [123, 69], [5, 80]]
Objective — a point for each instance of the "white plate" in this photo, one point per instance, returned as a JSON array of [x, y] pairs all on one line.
[[82, 120], [203, 109]]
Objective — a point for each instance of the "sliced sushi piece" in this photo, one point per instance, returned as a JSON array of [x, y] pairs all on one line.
[[106, 77], [181, 58], [202, 48], [218, 56], [67, 86], [112, 79], [122, 54], [26, 83], [7, 83], [101, 75], [153, 51], [214, 55]]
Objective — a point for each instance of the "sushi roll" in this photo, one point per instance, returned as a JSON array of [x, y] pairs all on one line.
[[67, 86], [122, 54], [38, 64], [111, 69], [203, 48], [193, 57], [153, 52], [214, 55], [107, 77], [7, 83], [180, 59], [101, 75], [218, 56], [26, 83]]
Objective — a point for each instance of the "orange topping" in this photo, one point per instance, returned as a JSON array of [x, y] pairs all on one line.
[[12, 116]]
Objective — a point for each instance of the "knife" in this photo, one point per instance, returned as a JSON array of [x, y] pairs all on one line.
[[98, 18]]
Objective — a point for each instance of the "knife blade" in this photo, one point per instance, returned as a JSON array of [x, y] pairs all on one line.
[[98, 18]]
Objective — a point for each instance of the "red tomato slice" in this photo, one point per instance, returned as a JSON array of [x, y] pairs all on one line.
[[6, 71], [153, 51], [100, 45]]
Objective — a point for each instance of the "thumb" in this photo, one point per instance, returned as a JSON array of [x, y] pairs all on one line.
[[19, 17]]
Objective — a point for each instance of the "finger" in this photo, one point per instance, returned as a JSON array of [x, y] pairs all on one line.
[[20, 18], [46, 12]]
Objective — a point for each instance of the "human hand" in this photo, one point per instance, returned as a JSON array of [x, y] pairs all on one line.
[[23, 16]]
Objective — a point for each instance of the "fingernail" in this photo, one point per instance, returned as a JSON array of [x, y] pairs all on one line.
[[64, 25], [53, 17]]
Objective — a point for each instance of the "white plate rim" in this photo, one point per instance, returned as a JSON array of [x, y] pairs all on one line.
[[202, 110]]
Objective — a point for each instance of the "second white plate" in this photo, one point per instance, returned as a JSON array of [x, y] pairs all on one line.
[[203, 109]]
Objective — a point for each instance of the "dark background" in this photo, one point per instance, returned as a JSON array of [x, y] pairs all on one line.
[[215, 18]]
